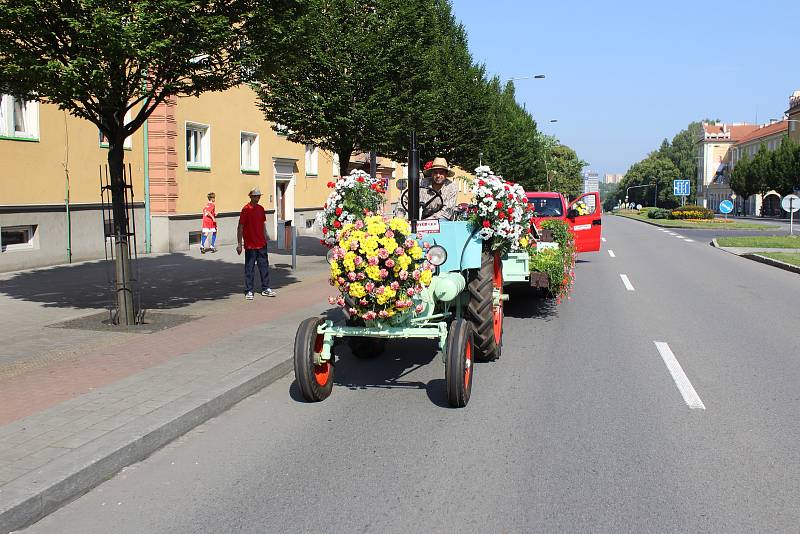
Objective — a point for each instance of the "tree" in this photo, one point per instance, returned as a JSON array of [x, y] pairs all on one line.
[[741, 178], [655, 170], [786, 167], [682, 151], [99, 59], [361, 80], [608, 194]]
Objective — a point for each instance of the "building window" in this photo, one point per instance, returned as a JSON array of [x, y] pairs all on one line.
[[19, 119], [312, 160], [127, 144], [17, 237], [198, 146], [248, 153]]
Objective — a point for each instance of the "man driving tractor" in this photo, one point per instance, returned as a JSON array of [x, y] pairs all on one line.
[[437, 179]]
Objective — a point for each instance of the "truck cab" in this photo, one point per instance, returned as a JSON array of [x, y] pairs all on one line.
[[583, 215]]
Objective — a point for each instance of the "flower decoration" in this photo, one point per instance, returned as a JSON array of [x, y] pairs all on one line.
[[379, 268], [354, 197], [427, 165], [581, 207], [501, 211]]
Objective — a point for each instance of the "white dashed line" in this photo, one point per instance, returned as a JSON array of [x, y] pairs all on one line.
[[688, 393], [689, 240], [604, 239], [627, 282], [611, 253]]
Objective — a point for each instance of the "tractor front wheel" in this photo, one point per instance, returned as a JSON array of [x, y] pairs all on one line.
[[485, 315], [315, 381], [458, 363]]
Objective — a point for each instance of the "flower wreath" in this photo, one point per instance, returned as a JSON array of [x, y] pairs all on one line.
[[501, 211], [354, 197]]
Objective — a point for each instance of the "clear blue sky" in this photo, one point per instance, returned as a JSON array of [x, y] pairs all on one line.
[[622, 76]]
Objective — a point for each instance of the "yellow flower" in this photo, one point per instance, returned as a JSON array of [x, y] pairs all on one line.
[[386, 296], [349, 260], [374, 272], [415, 252], [425, 277], [404, 261], [357, 290], [523, 242], [389, 243], [400, 225], [335, 269], [357, 235]]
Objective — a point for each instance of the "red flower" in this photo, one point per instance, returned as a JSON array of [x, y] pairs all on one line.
[[324, 230], [499, 205], [331, 185], [337, 224], [502, 215], [510, 211], [338, 211], [481, 183], [360, 179], [486, 224], [427, 165]]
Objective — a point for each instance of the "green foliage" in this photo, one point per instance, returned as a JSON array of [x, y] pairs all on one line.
[[559, 264], [654, 170], [768, 170], [550, 262], [608, 195], [658, 213], [691, 212]]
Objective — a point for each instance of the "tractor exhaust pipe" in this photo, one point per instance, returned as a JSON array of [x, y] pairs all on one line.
[[413, 182]]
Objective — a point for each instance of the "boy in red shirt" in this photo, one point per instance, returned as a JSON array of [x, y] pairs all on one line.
[[252, 233], [209, 224]]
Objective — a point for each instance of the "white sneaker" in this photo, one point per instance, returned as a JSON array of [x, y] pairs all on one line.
[[249, 295], [268, 293]]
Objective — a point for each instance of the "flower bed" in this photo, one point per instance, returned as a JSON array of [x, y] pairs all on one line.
[[378, 267], [557, 263]]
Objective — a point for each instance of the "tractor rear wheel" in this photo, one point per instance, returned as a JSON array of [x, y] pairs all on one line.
[[458, 363], [486, 316], [315, 381]]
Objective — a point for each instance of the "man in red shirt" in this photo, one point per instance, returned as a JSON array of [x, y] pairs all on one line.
[[209, 224], [252, 235]]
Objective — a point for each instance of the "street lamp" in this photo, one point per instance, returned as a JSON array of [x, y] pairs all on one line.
[[655, 197], [531, 77]]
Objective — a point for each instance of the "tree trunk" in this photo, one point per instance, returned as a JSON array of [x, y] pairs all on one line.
[[122, 265], [344, 160]]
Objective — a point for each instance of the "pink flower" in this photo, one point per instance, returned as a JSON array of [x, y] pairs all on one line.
[[361, 276], [351, 276], [410, 291], [359, 224], [408, 243], [353, 245], [363, 302], [389, 263], [370, 315], [352, 311], [359, 260], [340, 301], [383, 314], [415, 274], [331, 300], [419, 235], [384, 273], [426, 245], [395, 285], [383, 253], [403, 275], [369, 286], [399, 251], [340, 280], [419, 308], [373, 260], [380, 290], [389, 234]]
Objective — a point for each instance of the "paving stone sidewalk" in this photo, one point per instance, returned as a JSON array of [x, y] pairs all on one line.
[[72, 416]]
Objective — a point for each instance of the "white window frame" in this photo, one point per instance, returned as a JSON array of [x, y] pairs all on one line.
[[28, 245], [336, 168], [203, 162], [253, 165], [312, 160], [7, 114], [127, 144]]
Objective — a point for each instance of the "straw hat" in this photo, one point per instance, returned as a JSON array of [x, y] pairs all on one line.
[[440, 163]]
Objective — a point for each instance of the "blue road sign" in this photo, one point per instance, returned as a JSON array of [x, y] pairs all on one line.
[[681, 188], [726, 206]]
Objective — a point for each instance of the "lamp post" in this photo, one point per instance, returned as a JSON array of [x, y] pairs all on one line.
[[531, 77], [636, 187]]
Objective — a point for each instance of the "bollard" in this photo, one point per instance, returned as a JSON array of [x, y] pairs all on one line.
[[294, 247]]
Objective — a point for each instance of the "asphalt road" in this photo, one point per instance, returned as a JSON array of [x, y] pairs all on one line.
[[579, 427]]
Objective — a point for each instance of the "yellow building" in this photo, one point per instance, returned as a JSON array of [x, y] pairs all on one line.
[[771, 136], [50, 205], [713, 159], [793, 114]]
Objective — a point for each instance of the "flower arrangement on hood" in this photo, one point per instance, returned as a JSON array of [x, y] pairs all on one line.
[[500, 211], [354, 197], [379, 268]]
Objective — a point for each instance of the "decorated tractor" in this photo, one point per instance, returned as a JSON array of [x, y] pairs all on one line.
[[401, 278]]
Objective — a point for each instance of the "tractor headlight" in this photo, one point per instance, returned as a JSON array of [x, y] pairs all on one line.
[[437, 255], [329, 256]]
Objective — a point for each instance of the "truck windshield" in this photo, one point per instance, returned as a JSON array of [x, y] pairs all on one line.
[[546, 207]]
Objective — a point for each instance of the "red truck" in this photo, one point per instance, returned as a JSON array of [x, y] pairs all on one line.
[[586, 226]]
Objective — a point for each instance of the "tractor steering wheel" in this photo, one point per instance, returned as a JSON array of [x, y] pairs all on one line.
[[428, 208]]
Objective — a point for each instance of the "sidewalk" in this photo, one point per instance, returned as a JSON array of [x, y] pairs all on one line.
[[754, 253], [78, 401]]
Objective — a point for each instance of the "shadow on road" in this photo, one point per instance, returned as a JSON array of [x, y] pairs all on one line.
[[166, 282], [527, 303]]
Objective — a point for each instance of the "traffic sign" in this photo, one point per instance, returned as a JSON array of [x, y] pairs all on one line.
[[726, 206], [791, 203], [681, 188]]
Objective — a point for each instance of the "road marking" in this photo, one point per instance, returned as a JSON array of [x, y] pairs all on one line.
[[604, 239], [689, 240], [688, 393], [611, 253], [627, 282], [672, 233]]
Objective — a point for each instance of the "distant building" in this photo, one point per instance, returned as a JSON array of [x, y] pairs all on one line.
[[613, 178], [591, 181], [713, 158], [793, 113]]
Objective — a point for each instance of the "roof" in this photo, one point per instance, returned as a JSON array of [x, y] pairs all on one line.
[[542, 194], [765, 131], [726, 132]]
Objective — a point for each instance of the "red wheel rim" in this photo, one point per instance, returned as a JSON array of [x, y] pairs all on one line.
[[497, 311], [467, 364], [322, 372]]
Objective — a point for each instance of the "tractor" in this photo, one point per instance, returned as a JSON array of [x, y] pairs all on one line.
[[462, 308]]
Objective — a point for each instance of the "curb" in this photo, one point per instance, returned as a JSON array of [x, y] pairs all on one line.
[[769, 261], [32, 497], [685, 228]]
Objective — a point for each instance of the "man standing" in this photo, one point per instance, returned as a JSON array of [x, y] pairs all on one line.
[[437, 179], [209, 224], [252, 234]]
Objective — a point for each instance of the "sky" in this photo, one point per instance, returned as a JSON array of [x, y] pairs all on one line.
[[622, 76]]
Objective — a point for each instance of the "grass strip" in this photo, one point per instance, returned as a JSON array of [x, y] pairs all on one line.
[[713, 224], [758, 241], [792, 258]]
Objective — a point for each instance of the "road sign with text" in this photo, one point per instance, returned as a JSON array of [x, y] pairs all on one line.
[[681, 188]]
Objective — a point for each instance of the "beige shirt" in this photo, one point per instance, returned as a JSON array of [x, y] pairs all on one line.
[[449, 192]]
